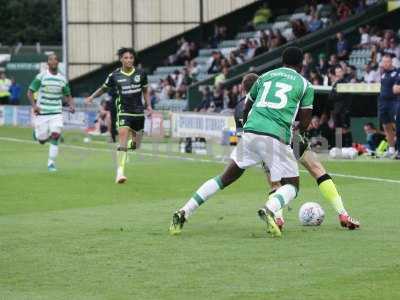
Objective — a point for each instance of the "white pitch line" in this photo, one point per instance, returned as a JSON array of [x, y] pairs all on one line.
[[167, 156]]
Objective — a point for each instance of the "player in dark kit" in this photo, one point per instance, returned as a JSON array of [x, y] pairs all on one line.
[[129, 85]]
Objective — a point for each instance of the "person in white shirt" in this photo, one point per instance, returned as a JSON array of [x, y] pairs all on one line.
[[371, 75]]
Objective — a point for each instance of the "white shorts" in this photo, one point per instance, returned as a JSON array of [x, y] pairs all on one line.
[[278, 157], [45, 125]]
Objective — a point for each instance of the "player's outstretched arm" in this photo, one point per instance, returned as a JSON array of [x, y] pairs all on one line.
[[100, 91]]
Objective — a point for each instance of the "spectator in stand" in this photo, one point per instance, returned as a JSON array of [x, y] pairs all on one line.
[[370, 2], [342, 47], [244, 52], [376, 55], [343, 11], [262, 15], [277, 40], [215, 64], [323, 65], [232, 97], [299, 28], [220, 34], [205, 101], [5, 84], [341, 108], [15, 92], [194, 69], [391, 47], [167, 89], [233, 58], [365, 39], [352, 74], [376, 35], [360, 7], [315, 22], [220, 78], [371, 74], [153, 97], [263, 47], [252, 47], [193, 50], [218, 98], [308, 64], [184, 80], [315, 77]]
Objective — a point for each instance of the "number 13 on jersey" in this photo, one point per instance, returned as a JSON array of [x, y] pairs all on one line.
[[275, 98]]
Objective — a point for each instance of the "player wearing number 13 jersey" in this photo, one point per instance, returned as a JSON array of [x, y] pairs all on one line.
[[277, 95], [274, 100]]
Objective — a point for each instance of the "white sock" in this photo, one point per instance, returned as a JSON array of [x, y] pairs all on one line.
[[208, 189], [53, 152], [391, 150], [281, 198], [279, 214]]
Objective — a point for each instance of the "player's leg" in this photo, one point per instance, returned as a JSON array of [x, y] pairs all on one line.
[[327, 188], [137, 132], [241, 158], [203, 193], [55, 127], [274, 186], [284, 171], [123, 135], [41, 131], [386, 116]]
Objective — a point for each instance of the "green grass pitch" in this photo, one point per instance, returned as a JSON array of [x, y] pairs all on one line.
[[75, 234]]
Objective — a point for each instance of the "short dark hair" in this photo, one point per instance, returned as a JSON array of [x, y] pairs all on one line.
[[123, 50], [248, 81], [389, 55], [292, 56], [370, 124]]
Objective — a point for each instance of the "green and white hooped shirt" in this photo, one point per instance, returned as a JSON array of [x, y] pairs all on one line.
[[51, 90]]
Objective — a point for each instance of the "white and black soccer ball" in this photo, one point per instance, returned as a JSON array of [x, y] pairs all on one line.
[[311, 214]]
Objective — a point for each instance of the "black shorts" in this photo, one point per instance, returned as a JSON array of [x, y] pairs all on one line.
[[136, 123], [387, 109]]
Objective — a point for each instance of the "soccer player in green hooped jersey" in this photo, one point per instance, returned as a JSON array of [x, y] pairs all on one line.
[[270, 110], [306, 157], [130, 85], [51, 88]]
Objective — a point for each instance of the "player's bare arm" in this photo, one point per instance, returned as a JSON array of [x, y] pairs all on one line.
[[147, 100], [247, 108], [31, 98], [97, 93], [71, 103], [305, 116]]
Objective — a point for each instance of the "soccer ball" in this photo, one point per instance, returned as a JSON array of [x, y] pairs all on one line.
[[311, 214]]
